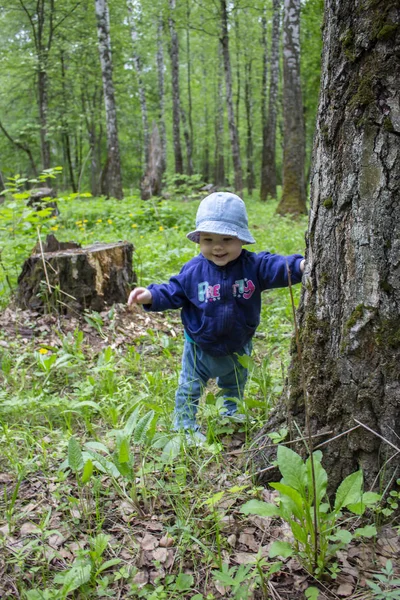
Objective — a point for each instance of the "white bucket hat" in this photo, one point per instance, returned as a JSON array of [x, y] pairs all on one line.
[[222, 213]]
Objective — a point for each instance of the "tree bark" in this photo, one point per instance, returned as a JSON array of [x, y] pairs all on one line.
[[160, 72], [139, 73], [65, 126], [249, 118], [293, 193], [219, 128], [233, 132], [189, 88], [268, 168], [349, 312], [20, 146], [114, 180], [176, 104]]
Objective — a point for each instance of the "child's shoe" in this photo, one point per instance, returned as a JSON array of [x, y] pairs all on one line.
[[195, 438]]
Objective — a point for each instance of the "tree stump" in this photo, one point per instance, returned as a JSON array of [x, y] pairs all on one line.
[[64, 277], [39, 198]]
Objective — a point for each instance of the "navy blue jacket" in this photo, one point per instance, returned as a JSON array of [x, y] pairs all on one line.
[[221, 305]]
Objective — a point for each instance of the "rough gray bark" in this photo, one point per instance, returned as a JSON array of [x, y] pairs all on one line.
[[160, 72], [113, 180], [151, 181], [268, 168], [294, 191], [233, 132], [189, 88], [188, 142], [176, 105], [142, 94], [206, 150], [349, 312]]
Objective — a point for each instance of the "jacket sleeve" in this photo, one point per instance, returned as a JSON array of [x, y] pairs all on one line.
[[167, 295], [273, 270]]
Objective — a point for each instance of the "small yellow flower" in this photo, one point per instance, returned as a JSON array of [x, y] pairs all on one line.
[[134, 225], [161, 228], [141, 237], [78, 222], [85, 221], [109, 221], [99, 221], [81, 228], [54, 228], [131, 214], [175, 227], [43, 351]]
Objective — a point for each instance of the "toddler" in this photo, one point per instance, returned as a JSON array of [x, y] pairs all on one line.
[[219, 294]]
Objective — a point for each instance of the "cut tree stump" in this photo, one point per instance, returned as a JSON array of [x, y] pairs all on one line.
[[64, 277]]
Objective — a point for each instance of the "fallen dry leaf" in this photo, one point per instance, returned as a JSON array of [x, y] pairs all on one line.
[[149, 542], [160, 555], [248, 539]]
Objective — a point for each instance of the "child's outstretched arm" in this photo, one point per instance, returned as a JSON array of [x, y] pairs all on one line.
[[140, 295]]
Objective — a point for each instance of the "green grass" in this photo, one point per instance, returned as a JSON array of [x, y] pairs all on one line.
[[50, 393]]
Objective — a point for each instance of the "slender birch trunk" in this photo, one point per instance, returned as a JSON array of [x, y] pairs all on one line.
[[233, 132], [113, 180], [189, 85], [139, 72], [250, 178], [293, 193], [176, 105]]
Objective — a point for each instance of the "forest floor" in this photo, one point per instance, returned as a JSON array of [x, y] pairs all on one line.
[[184, 530], [99, 497]]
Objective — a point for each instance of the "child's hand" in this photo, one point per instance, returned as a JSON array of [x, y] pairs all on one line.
[[302, 265], [140, 295]]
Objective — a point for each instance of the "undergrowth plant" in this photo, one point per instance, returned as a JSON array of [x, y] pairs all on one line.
[[296, 507]]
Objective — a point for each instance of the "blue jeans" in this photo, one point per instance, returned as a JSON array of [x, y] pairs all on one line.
[[197, 368]]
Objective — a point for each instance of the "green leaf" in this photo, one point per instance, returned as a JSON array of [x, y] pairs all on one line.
[[87, 471], [142, 427], [183, 582], [283, 549], [171, 449], [124, 451], [371, 498], [263, 509], [349, 491], [245, 361], [73, 579], [109, 563], [294, 495], [99, 543], [342, 535], [131, 423], [368, 531], [321, 477], [292, 468], [75, 460], [312, 593], [299, 532]]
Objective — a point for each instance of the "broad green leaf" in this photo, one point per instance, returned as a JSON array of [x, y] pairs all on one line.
[[293, 494], [171, 449], [75, 460], [183, 582], [213, 501], [283, 549], [109, 563], [73, 579], [371, 498], [321, 477], [312, 593], [349, 491], [124, 452], [299, 532], [97, 446], [245, 361], [357, 509], [263, 509], [142, 427], [87, 471], [342, 535], [99, 543], [368, 531], [292, 468], [131, 423]]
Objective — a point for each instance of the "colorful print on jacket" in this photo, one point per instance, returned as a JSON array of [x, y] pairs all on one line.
[[221, 305]]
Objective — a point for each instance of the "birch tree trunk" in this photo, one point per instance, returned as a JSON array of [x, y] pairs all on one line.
[[349, 312], [219, 158], [113, 183], [160, 72], [293, 192], [189, 87], [176, 104], [139, 73], [233, 132], [250, 179], [268, 169]]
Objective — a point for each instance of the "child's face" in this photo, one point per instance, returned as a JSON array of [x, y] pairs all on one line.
[[220, 249]]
